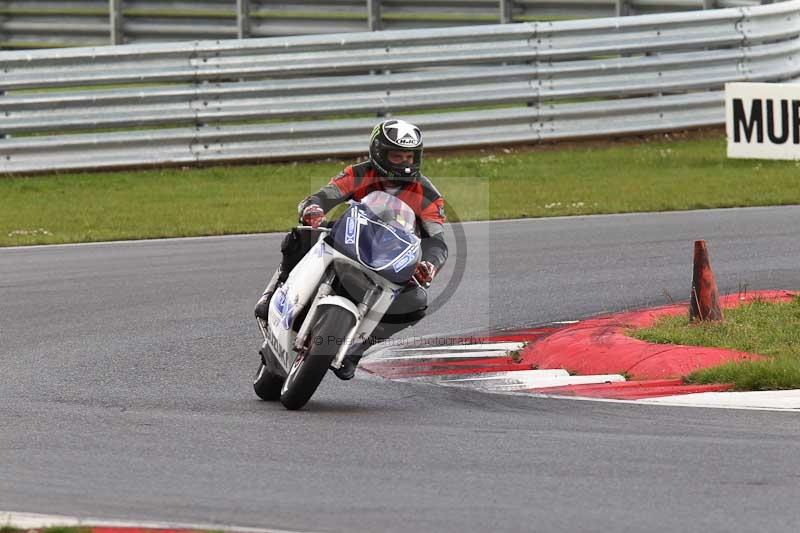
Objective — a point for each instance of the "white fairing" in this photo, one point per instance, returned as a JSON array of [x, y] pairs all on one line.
[[300, 291], [291, 298]]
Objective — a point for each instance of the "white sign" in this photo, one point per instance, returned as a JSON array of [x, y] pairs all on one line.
[[763, 120]]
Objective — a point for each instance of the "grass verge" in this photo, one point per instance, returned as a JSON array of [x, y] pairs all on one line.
[[761, 327], [659, 174]]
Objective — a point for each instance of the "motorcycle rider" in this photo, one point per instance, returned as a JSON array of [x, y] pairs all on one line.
[[395, 160]]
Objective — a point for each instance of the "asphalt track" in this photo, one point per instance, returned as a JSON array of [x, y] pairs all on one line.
[[125, 393]]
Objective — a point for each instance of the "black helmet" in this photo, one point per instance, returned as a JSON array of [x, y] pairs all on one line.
[[399, 135]]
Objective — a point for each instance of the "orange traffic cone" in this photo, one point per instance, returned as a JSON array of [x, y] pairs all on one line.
[[705, 296]]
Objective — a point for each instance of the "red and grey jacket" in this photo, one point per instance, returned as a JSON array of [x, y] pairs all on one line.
[[357, 181]]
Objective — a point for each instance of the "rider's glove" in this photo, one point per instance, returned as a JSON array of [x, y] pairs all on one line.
[[424, 273], [313, 216]]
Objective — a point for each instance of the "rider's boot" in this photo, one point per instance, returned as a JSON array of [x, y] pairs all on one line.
[[348, 368], [262, 306], [350, 362]]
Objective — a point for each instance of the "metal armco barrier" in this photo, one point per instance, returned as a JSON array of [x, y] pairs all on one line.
[[52, 23], [297, 97]]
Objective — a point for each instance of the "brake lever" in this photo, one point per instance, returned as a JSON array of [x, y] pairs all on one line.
[[420, 285]]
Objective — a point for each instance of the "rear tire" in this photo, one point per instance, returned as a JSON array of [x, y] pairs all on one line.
[[312, 363], [267, 385]]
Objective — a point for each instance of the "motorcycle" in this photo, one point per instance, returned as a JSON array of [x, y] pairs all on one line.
[[335, 296]]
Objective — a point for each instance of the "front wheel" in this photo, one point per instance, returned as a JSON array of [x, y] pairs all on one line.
[[311, 364]]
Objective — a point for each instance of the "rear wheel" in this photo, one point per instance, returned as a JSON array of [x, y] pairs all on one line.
[[267, 384], [311, 364]]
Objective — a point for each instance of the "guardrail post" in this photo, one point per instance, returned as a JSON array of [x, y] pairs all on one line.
[[374, 21], [242, 19], [2, 135], [709, 4], [506, 11], [115, 21], [623, 8]]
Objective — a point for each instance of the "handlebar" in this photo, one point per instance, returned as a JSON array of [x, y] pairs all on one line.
[[323, 229], [312, 228]]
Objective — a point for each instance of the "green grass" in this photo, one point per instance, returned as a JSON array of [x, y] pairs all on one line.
[[580, 180], [516, 355], [34, 45], [269, 13], [65, 11], [179, 13], [765, 328]]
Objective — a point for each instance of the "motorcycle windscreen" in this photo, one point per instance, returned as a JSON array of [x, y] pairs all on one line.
[[390, 251], [390, 210]]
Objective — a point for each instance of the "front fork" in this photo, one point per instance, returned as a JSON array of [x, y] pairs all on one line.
[[325, 290]]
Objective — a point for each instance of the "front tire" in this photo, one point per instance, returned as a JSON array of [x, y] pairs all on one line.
[[312, 363], [267, 385]]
